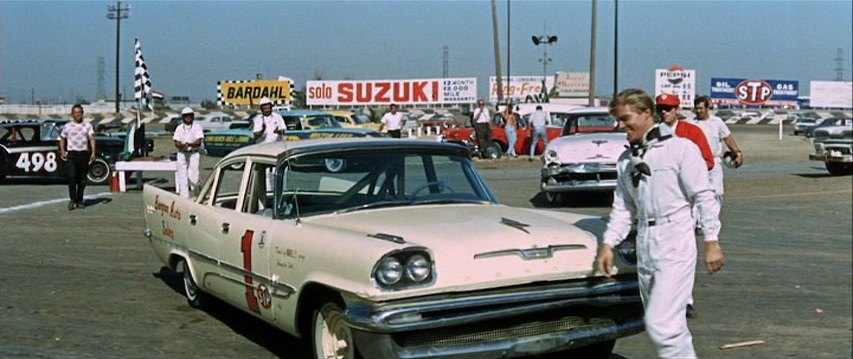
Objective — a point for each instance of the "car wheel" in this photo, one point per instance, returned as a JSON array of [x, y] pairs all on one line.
[[99, 171], [492, 152], [331, 337], [195, 297], [839, 169]]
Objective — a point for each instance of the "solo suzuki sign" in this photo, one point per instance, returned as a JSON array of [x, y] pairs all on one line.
[[386, 92]]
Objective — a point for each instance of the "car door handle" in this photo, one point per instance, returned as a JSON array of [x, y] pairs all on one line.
[[193, 219], [225, 228]]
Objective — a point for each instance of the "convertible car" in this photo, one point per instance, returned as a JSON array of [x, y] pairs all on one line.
[[354, 244], [584, 157], [30, 148]]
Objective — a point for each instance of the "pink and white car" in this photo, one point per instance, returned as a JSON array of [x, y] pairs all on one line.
[[584, 157]]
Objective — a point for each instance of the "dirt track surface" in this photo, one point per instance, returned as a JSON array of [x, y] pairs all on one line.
[[85, 283]]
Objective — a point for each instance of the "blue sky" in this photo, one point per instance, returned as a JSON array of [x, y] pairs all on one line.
[[49, 50]]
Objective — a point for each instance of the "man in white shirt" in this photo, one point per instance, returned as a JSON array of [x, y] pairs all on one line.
[[269, 125], [77, 149], [393, 121], [717, 133], [538, 124], [660, 177], [188, 137], [481, 120]]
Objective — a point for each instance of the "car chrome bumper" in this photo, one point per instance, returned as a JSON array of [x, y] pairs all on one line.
[[499, 323], [591, 177]]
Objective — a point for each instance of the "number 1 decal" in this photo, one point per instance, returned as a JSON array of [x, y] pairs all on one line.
[[246, 248]]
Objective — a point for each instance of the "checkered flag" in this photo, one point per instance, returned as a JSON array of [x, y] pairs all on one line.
[[141, 82]]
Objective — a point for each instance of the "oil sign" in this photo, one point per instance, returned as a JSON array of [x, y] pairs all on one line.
[[249, 93]]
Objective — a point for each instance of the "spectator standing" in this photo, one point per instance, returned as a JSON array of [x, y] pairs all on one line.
[[188, 137], [510, 120], [481, 120], [717, 133], [77, 148], [393, 121], [538, 123], [668, 107], [269, 126], [660, 177]]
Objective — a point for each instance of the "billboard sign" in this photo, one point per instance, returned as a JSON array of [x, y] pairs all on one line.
[[754, 92], [519, 88], [831, 94], [572, 84], [385, 92], [677, 81], [248, 93]]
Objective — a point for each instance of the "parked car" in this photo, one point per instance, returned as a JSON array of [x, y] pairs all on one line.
[[221, 143], [349, 119], [827, 122], [30, 148], [584, 157], [215, 121], [834, 146], [468, 137], [356, 247], [724, 114], [308, 119], [803, 124]]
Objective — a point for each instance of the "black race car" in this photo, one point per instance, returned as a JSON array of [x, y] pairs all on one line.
[[30, 148]]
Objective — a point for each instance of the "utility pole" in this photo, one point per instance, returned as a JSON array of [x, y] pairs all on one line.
[[508, 27], [497, 51], [444, 70], [615, 47], [592, 54], [117, 13], [839, 70]]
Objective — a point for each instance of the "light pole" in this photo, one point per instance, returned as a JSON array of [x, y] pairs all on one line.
[[117, 13], [544, 40]]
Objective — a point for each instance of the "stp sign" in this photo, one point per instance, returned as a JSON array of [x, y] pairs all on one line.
[[753, 92]]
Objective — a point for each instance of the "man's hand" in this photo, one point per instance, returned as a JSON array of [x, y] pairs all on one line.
[[714, 257], [604, 261], [92, 157], [738, 158]]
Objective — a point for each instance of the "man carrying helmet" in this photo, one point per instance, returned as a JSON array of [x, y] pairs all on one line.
[[269, 125], [188, 137]]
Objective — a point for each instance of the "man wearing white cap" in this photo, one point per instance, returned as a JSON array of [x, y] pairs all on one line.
[[268, 126], [187, 137]]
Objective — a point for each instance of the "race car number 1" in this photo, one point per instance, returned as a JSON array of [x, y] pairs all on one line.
[[36, 161]]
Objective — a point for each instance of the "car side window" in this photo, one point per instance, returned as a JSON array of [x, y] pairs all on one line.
[[228, 183], [259, 192]]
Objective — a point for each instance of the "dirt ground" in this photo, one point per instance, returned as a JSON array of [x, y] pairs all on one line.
[[85, 284]]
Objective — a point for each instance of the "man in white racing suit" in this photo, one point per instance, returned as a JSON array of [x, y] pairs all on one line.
[[660, 177]]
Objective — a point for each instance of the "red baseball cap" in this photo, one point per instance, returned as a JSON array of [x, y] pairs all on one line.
[[667, 100]]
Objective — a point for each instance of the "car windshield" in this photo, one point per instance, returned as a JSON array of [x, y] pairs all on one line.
[[319, 184], [589, 123], [361, 119], [321, 121], [50, 131]]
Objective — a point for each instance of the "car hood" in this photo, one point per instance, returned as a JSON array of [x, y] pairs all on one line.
[[586, 148], [476, 246]]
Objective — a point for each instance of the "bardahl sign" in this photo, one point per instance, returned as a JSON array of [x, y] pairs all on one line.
[[248, 93], [386, 92], [754, 92]]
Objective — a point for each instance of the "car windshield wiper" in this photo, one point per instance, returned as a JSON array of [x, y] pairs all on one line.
[[378, 204]]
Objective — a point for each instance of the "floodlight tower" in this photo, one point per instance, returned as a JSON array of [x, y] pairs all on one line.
[[117, 13], [544, 40]]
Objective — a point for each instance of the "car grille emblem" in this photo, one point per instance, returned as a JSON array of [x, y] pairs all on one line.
[[599, 142], [532, 253]]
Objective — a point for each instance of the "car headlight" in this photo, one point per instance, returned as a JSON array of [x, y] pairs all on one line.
[[404, 269], [389, 271], [417, 268], [551, 155]]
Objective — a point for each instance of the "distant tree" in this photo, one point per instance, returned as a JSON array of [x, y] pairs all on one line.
[[208, 104]]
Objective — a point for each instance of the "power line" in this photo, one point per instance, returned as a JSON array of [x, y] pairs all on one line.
[[117, 13]]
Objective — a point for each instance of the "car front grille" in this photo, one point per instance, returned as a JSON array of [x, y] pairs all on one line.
[[583, 317], [598, 176]]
